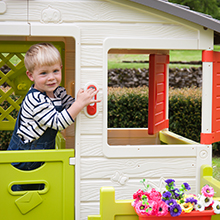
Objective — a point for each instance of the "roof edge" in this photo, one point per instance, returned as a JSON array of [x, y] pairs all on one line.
[[182, 12]]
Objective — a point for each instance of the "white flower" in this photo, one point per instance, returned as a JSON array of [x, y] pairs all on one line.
[[133, 203], [216, 207], [207, 201], [200, 206]]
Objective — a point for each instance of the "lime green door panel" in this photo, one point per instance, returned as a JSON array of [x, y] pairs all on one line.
[[55, 201]]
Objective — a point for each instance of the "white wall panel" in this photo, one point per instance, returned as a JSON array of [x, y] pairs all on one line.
[[91, 125], [73, 11], [91, 145], [14, 29], [92, 75], [91, 56], [94, 34], [103, 168], [14, 11], [88, 209]]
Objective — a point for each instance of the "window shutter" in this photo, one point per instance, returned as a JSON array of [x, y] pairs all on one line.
[[214, 136], [157, 93]]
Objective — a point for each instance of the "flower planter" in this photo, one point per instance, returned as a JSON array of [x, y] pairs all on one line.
[[194, 215]]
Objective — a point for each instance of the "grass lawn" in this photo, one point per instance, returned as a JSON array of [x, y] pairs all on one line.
[[115, 60], [216, 167]]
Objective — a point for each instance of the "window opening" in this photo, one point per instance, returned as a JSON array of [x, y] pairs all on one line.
[[14, 83], [122, 129], [128, 81]]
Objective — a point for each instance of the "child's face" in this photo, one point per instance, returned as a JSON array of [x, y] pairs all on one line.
[[46, 78]]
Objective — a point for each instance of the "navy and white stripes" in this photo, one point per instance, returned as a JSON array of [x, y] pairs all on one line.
[[38, 112]]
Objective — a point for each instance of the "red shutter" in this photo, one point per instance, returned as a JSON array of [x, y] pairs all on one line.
[[214, 136], [157, 93]]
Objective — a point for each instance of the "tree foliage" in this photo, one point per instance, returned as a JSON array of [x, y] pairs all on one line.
[[210, 7]]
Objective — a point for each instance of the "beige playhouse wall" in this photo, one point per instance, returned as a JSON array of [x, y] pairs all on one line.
[[100, 22], [105, 17]]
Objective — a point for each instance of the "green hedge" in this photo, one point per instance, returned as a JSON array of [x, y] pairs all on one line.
[[5, 136], [185, 112], [129, 108]]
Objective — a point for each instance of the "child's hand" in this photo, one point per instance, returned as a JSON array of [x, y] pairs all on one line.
[[86, 97], [83, 99]]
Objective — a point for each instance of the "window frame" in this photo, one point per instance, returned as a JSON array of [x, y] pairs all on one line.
[[135, 151]]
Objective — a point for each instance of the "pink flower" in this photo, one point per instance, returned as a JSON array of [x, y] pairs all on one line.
[[140, 208], [155, 195], [208, 191], [147, 193], [134, 203], [137, 196], [162, 208], [152, 207]]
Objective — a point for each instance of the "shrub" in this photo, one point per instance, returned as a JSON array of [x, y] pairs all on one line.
[[185, 112], [128, 107], [5, 136], [216, 149]]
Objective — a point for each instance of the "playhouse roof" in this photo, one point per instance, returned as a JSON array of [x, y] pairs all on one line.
[[184, 12]]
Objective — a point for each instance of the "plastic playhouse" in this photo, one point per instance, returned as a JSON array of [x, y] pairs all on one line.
[[89, 156]]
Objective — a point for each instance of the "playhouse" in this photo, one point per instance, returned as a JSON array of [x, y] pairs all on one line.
[[89, 155]]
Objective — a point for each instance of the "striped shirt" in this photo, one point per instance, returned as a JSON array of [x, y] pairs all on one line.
[[38, 113]]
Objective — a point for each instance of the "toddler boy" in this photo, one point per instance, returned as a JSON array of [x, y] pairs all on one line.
[[46, 109]]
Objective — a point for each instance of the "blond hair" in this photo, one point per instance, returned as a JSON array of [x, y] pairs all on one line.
[[40, 55]]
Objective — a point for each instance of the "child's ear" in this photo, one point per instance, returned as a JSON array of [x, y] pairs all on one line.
[[29, 74]]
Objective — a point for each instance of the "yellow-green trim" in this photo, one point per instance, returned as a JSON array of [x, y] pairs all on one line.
[[169, 137], [111, 209], [207, 178], [60, 141]]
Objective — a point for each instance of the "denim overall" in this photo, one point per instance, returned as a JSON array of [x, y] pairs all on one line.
[[46, 141]]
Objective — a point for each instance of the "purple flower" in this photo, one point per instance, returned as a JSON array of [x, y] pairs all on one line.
[[176, 192], [191, 200], [187, 186], [175, 210], [171, 202], [170, 182], [167, 195]]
